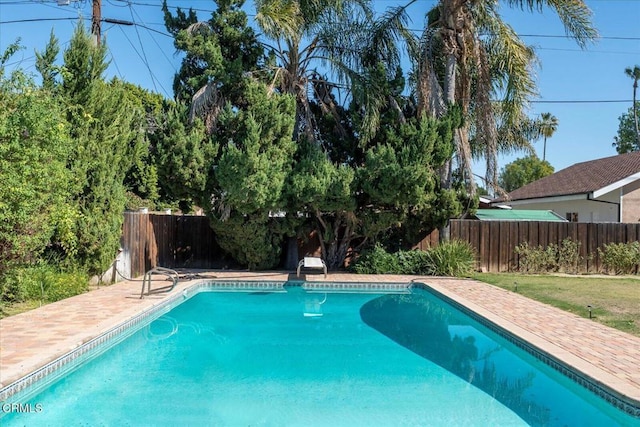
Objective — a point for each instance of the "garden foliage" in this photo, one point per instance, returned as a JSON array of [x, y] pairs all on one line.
[[620, 258], [564, 258], [67, 148], [35, 190], [454, 259]]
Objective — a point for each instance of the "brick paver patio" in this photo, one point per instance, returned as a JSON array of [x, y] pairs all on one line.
[[611, 358]]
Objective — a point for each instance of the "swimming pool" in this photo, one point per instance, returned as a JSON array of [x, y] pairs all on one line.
[[286, 356]]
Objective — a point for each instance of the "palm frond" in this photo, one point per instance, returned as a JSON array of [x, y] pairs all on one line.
[[512, 69], [279, 18], [429, 90], [207, 103], [199, 28], [575, 15]]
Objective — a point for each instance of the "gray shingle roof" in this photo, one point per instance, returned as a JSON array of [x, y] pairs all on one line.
[[581, 178]]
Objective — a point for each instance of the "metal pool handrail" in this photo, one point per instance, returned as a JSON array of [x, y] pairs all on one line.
[[169, 273]]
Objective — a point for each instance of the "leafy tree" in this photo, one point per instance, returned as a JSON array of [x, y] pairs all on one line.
[[217, 54], [239, 173], [247, 184], [34, 151], [183, 155], [142, 178], [45, 63], [626, 140], [394, 188], [523, 171], [105, 126]]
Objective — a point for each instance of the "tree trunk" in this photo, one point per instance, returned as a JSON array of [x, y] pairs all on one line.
[[334, 252], [450, 93], [635, 112]]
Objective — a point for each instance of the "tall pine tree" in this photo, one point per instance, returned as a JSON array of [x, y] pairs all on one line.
[[107, 130]]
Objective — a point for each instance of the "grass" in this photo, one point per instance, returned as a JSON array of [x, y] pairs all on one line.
[[10, 309], [614, 301]]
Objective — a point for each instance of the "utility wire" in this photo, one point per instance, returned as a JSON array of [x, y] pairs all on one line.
[[145, 26], [144, 54], [587, 101], [17, 21], [146, 61]]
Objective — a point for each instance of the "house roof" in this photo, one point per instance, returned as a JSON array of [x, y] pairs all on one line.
[[517, 215], [582, 178]]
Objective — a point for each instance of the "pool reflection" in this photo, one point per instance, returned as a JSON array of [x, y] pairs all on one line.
[[432, 330]]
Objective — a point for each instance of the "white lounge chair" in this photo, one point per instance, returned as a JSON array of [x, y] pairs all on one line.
[[312, 262]]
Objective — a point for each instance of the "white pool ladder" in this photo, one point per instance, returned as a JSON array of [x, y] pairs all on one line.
[[167, 272]]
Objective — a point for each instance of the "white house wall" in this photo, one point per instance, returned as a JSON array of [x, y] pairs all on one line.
[[621, 204], [587, 210]]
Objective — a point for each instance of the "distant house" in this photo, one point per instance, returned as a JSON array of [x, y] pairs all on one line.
[[603, 190]]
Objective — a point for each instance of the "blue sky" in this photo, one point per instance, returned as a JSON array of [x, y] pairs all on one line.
[[573, 83]]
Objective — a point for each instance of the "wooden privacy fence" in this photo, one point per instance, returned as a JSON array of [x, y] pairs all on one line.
[[187, 241], [495, 241], [172, 241]]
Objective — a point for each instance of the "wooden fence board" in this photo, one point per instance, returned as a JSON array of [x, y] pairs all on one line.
[[494, 246], [534, 239], [484, 247], [503, 245], [580, 236], [514, 233]]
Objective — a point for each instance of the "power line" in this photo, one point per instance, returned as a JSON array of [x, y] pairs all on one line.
[[608, 52], [552, 36], [592, 101], [145, 61], [18, 21]]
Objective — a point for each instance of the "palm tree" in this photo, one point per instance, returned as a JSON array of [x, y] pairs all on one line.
[[468, 55], [548, 125], [303, 34], [634, 73]]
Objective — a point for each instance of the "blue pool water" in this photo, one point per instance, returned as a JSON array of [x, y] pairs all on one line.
[[296, 358]]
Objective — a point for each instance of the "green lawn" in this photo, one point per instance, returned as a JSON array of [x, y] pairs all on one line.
[[614, 301]]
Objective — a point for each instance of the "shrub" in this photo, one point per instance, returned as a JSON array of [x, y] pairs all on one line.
[[376, 261], [17, 285], [414, 262], [454, 258], [564, 257], [536, 260], [41, 282], [569, 256], [620, 258], [61, 285]]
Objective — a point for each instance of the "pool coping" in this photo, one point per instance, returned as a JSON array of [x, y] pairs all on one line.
[[609, 387]]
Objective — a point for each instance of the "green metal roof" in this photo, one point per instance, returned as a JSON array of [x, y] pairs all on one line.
[[517, 215]]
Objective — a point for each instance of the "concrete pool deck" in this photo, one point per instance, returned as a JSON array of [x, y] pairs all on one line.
[[607, 357]]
